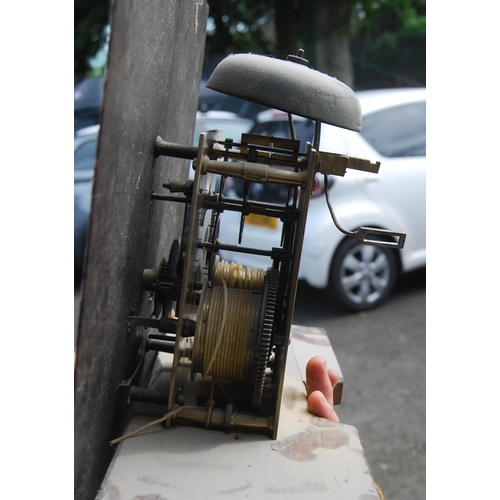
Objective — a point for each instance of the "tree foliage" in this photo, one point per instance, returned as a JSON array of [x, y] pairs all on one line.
[[389, 43], [380, 16], [251, 25], [91, 18], [386, 36]]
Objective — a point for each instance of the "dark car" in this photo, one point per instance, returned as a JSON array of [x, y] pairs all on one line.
[[85, 156], [88, 98], [211, 100]]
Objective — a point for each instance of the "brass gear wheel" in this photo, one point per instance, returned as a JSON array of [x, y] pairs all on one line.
[[263, 347]]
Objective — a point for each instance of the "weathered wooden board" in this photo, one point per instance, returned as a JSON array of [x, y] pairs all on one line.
[[152, 85], [311, 458]]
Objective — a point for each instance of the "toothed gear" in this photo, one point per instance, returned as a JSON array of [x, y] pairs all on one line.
[[284, 281], [265, 334], [166, 273], [167, 281], [213, 235]]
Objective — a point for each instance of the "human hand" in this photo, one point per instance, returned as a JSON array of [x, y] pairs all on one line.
[[319, 388]]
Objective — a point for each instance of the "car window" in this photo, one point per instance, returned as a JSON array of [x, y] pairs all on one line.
[[221, 102], [85, 118], [304, 130], [275, 193], [397, 131], [85, 155], [230, 128]]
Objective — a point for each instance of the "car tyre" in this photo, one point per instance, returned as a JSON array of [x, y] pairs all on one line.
[[361, 276]]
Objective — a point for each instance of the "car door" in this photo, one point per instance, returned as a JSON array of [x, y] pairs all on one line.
[[397, 134]]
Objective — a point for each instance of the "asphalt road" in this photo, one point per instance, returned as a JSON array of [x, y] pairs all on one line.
[[382, 357]]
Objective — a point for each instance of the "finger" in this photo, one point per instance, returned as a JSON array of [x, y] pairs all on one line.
[[334, 377], [319, 406], [319, 379]]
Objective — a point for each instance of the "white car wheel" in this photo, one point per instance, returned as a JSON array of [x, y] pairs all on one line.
[[361, 276]]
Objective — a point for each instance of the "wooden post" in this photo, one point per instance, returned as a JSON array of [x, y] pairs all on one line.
[[152, 84]]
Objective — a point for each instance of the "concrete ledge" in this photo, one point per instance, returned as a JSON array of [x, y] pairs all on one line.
[[311, 458]]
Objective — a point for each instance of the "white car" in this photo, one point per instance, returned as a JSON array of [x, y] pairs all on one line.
[[355, 277], [231, 124]]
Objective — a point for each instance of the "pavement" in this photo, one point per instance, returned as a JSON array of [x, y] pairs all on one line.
[[382, 357]]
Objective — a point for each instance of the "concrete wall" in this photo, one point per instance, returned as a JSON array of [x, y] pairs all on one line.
[[152, 83]]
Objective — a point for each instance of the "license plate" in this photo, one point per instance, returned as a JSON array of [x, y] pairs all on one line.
[[262, 221]]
